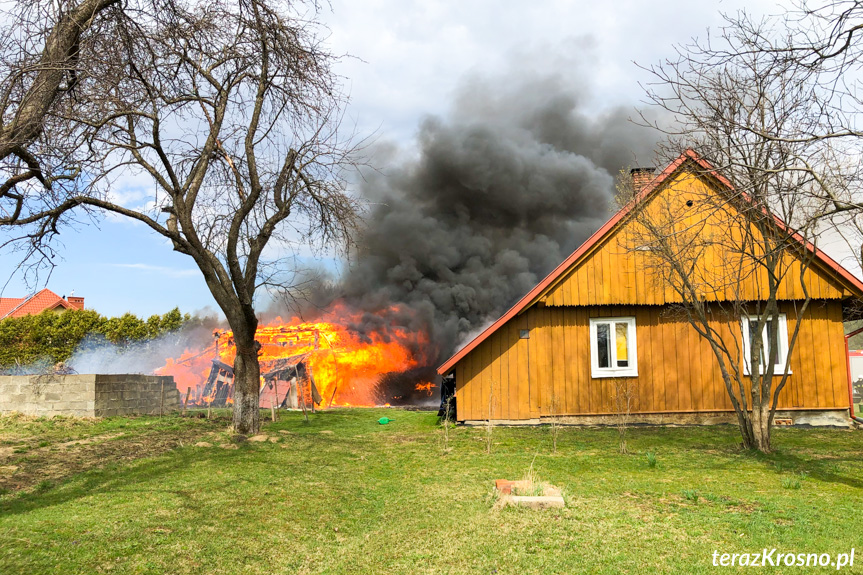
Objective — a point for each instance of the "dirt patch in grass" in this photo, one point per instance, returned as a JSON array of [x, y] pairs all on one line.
[[88, 440], [30, 465], [651, 505], [743, 507], [399, 439]]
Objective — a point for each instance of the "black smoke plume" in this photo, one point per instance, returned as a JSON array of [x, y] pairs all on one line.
[[499, 193]]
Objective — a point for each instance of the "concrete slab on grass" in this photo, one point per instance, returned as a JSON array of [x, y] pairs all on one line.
[[537, 501]]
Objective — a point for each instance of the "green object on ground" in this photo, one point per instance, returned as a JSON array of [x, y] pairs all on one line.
[[385, 420]]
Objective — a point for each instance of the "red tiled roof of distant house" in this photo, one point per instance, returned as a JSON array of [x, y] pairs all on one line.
[[37, 303], [7, 304]]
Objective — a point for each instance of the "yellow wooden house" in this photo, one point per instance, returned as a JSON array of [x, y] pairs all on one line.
[[598, 318]]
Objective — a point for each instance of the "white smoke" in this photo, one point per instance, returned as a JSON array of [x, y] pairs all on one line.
[[97, 355]]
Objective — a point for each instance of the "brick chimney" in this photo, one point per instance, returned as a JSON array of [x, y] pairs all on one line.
[[76, 302], [641, 177]]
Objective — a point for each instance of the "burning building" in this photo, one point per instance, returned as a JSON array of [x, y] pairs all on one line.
[[287, 383], [314, 364]]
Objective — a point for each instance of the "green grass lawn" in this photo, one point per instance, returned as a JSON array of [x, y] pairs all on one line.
[[343, 494]]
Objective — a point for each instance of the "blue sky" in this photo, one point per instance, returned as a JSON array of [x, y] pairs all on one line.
[[119, 267], [409, 57]]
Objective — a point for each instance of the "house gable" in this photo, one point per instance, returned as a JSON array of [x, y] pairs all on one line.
[[617, 272]]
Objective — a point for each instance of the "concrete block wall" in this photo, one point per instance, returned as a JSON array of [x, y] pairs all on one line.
[[89, 395], [130, 394]]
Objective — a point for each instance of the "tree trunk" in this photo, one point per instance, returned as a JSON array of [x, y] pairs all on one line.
[[755, 427], [761, 426], [247, 386], [758, 419], [744, 416], [744, 422]]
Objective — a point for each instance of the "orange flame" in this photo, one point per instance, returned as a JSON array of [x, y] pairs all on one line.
[[345, 365], [427, 387]]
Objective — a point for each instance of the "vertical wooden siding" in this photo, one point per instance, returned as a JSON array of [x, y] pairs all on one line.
[[677, 371], [615, 272]]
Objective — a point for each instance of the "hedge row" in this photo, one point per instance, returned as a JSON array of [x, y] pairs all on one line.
[[54, 336]]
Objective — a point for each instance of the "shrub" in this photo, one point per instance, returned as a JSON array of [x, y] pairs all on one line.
[[791, 483], [533, 486], [691, 495], [651, 459]]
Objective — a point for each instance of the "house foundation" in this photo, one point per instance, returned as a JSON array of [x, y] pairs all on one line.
[[803, 417]]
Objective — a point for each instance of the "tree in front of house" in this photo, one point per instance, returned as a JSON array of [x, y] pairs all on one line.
[[728, 269], [232, 111], [776, 190]]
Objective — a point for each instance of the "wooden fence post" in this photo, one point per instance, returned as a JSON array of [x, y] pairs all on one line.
[[276, 389], [186, 400]]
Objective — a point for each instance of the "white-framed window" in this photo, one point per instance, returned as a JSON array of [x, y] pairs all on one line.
[[612, 347], [749, 325]]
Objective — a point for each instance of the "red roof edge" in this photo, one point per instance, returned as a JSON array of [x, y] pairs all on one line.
[[607, 227]]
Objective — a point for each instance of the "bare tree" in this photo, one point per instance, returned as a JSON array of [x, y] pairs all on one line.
[[822, 41], [42, 72], [489, 422], [555, 419], [769, 123], [445, 423], [815, 48], [232, 113], [723, 255], [35, 80], [713, 251]]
